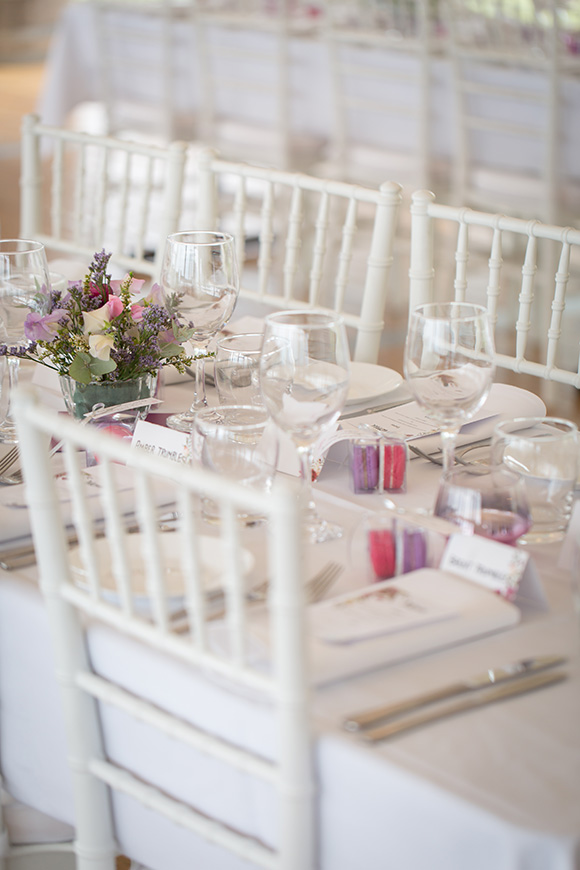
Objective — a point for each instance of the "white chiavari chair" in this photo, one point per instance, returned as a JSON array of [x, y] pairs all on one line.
[[442, 268], [509, 67], [380, 68], [81, 192], [116, 770], [300, 241], [244, 83]]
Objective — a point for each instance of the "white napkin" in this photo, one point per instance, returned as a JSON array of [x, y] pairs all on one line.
[[503, 403]]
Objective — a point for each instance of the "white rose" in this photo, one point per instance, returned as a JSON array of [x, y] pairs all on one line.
[[95, 320], [100, 346]]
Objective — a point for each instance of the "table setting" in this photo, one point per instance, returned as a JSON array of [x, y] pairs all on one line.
[[396, 617]]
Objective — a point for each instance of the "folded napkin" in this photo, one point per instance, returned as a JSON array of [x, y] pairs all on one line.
[[409, 421]]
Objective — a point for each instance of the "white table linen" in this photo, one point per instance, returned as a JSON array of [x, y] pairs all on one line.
[[498, 787]]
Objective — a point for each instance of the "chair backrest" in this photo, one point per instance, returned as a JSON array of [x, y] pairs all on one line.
[[244, 84], [94, 588], [306, 241], [150, 39], [527, 312], [507, 75], [80, 193], [380, 65]]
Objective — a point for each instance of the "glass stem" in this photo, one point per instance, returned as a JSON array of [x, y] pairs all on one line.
[[13, 370], [448, 441], [199, 396], [305, 458]]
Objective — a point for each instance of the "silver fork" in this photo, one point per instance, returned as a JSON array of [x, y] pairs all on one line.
[[8, 459], [314, 589]]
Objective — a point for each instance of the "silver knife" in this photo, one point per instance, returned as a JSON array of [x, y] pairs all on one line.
[[374, 410], [25, 555], [497, 693], [480, 681]]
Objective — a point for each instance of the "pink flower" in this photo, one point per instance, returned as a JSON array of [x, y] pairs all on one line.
[[115, 306], [39, 328], [157, 295], [94, 289], [134, 286], [137, 312], [95, 320]]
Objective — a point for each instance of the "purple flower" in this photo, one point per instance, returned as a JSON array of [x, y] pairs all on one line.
[[43, 328]]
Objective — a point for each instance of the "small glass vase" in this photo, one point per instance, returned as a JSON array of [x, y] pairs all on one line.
[[80, 399]]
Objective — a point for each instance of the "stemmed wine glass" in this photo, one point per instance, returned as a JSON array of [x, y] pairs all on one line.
[[200, 279], [304, 379], [23, 275], [449, 365]]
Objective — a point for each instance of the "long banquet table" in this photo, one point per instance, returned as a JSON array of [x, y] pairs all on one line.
[[72, 77], [494, 788]]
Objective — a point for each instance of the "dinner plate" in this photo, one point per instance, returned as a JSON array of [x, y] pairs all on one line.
[[368, 381], [211, 561]]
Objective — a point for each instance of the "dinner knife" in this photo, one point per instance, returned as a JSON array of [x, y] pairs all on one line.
[[497, 693], [25, 555], [480, 681], [376, 410]]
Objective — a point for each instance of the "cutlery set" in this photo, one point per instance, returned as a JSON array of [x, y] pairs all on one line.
[[437, 457], [485, 688], [314, 590], [24, 555]]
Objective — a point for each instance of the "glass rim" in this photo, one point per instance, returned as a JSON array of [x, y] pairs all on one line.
[[234, 427], [476, 310], [568, 427], [217, 238], [230, 338], [28, 246], [320, 318], [479, 471]]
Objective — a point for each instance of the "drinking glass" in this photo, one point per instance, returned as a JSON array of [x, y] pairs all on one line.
[[544, 450], [200, 279], [491, 502], [237, 369], [239, 442], [449, 365], [304, 378], [23, 274]]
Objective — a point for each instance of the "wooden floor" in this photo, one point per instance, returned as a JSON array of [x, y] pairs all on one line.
[[19, 87]]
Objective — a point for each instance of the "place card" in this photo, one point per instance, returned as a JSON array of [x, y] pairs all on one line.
[[380, 609], [501, 568], [162, 441]]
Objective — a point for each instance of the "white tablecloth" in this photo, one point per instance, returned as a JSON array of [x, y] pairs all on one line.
[[495, 788], [72, 77]]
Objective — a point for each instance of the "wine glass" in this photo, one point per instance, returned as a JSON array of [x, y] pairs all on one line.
[[200, 279], [491, 502], [23, 275], [237, 369], [449, 365], [304, 379]]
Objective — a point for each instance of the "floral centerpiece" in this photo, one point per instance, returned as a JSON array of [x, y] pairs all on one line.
[[104, 336]]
